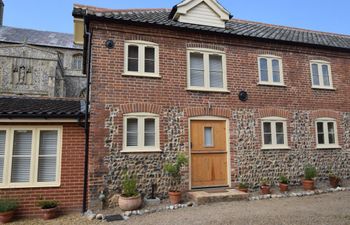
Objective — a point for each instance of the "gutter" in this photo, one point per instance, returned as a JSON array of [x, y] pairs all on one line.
[[87, 67]]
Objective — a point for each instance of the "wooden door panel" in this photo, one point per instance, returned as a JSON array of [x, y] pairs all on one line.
[[208, 163]]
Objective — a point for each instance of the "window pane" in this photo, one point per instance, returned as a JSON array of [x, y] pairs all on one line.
[[21, 157], [280, 139], [320, 133], [133, 58], [208, 137], [315, 77], [131, 132], [267, 139], [276, 71], [2, 153], [47, 156], [216, 74], [263, 70], [279, 127], [196, 70], [331, 133], [77, 62], [267, 127], [325, 75], [150, 132], [279, 133], [149, 59], [267, 133]]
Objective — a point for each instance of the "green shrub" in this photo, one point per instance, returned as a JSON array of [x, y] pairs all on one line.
[[129, 186], [7, 205], [174, 170], [283, 180], [309, 172], [243, 186], [265, 182], [47, 204]]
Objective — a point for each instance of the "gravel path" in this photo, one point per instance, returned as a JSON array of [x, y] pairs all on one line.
[[326, 209]]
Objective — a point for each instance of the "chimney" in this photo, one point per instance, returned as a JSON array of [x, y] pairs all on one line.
[[2, 5]]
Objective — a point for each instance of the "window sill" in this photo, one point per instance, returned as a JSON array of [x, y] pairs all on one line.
[[208, 90], [142, 151], [129, 74], [324, 88], [275, 148], [271, 84], [30, 186], [330, 147]]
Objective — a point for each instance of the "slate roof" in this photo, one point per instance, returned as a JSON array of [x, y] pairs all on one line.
[[36, 37], [234, 27], [26, 107]]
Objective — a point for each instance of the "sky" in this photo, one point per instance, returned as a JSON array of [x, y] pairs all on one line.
[[56, 15]]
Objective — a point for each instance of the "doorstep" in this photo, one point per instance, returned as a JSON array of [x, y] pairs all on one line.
[[202, 197]]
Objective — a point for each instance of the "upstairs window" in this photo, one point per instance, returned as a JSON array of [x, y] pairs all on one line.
[[141, 132], [206, 70], [326, 133], [77, 62], [270, 70], [321, 75], [274, 133], [30, 157], [141, 59]]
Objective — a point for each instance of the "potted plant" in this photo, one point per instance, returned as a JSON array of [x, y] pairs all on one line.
[[48, 208], [243, 187], [7, 210], [283, 183], [174, 171], [130, 199], [265, 187], [334, 180], [309, 175]]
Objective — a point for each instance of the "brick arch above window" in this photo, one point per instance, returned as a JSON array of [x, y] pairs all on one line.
[[204, 111], [324, 113], [206, 46], [140, 107], [274, 112]]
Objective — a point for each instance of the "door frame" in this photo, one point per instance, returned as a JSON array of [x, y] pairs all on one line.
[[210, 118]]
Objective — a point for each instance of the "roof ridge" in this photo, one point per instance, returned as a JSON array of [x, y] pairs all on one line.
[[291, 28], [102, 9], [31, 29], [41, 98]]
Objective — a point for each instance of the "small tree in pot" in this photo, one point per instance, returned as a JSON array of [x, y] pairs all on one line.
[[174, 171], [309, 175], [265, 187], [7, 210], [334, 180], [283, 183], [130, 199], [48, 208], [243, 187]]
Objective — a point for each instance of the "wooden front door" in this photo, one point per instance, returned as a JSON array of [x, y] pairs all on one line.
[[208, 153]]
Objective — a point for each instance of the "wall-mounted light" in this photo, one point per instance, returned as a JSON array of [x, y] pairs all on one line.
[[110, 44], [243, 96]]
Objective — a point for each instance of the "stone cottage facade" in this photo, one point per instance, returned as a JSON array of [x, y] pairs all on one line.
[[244, 100]]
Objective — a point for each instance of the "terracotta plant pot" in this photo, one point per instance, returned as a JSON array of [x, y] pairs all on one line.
[[175, 197], [243, 190], [283, 187], [334, 181], [265, 190], [6, 217], [308, 185], [49, 214], [129, 203]]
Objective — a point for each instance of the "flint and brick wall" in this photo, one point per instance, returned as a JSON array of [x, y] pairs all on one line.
[[114, 94], [70, 192]]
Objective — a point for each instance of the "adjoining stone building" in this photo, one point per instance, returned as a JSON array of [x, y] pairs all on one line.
[[244, 100], [40, 63]]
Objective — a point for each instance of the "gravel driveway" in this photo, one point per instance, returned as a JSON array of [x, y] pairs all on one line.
[[326, 209]]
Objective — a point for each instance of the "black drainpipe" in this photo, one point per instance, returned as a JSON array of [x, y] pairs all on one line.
[[88, 74]]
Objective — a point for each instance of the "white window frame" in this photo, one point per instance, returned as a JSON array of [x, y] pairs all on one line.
[[274, 145], [206, 53], [33, 183], [141, 58], [326, 144], [270, 81], [141, 117], [320, 63]]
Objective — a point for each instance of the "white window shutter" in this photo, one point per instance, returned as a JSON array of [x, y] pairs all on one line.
[[21, 157], [47, 156], [216, 73], [2, 153], [196, 70]]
